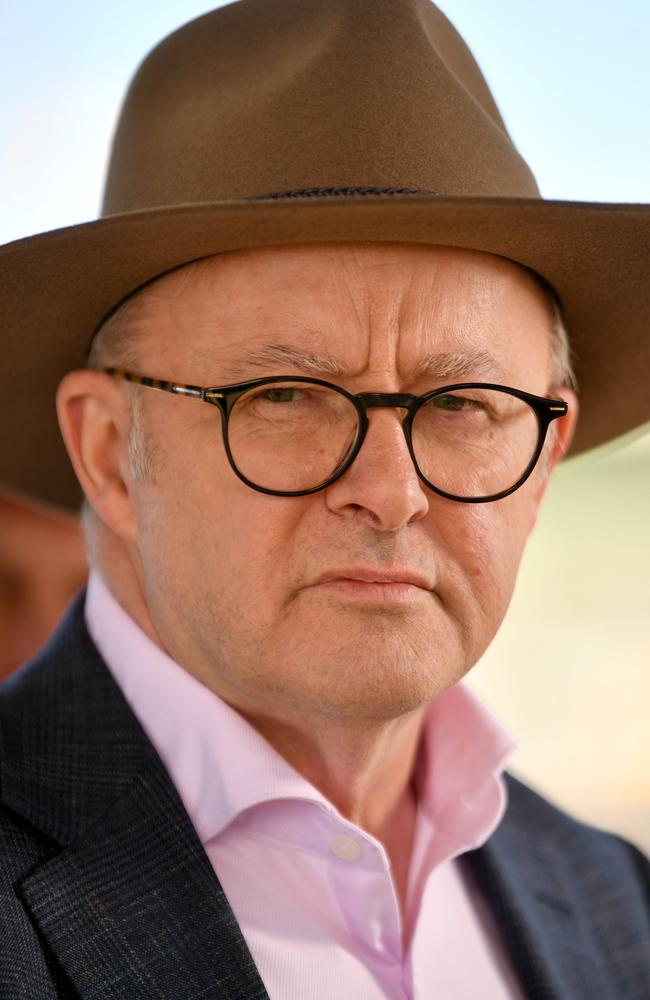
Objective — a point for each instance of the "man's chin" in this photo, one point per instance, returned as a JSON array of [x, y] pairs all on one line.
[[378, 665], [371, 696]]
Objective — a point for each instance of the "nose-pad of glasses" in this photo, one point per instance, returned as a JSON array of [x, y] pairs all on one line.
[[402, 410], [400, 404]]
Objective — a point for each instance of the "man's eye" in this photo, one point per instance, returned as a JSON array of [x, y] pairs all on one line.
[[455, 403], [284, 395]]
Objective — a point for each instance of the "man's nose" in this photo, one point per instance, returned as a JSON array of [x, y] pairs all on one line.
[[382, 481]]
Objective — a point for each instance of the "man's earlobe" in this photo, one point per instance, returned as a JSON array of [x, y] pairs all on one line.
[[93, 414]]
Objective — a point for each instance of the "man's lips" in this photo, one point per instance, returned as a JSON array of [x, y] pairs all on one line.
[[366, 574]]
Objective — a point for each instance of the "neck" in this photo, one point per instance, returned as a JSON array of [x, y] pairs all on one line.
[[364, 768]]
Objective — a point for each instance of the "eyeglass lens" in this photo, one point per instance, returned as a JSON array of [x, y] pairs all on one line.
[[470, 443]]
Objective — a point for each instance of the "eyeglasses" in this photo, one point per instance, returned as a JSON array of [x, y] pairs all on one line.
[[473, 442]]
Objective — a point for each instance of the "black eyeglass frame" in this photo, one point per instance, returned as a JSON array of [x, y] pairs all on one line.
[[224, 398]]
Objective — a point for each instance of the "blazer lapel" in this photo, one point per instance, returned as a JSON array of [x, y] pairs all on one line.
[[525, 879], [127, 902]]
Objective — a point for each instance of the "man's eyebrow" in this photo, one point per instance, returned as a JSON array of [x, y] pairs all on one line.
[[272, 355], [459, 365], [439, 365]]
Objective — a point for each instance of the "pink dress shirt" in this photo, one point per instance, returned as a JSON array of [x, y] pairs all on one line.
[[312, 892]]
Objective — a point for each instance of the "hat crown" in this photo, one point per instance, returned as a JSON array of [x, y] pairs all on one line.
[[267, 96]]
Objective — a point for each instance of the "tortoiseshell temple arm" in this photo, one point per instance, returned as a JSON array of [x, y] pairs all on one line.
[[178, 388]]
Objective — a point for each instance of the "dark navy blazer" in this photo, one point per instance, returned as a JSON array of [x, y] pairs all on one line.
[[106, 891]]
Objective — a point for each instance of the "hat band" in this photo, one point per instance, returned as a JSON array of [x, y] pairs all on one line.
[[340, 192]]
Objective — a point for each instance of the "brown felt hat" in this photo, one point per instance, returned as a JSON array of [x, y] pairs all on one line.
[[293, 121]]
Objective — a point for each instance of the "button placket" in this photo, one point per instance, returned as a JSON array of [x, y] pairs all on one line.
[[361, 880]]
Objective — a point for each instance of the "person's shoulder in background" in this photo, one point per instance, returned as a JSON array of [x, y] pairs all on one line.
[[42, 565]]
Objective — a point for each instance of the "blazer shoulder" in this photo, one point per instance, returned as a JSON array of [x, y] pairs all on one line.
[[581, 844], [69, 742]]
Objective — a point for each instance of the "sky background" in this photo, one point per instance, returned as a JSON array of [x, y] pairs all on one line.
[[569, 672]]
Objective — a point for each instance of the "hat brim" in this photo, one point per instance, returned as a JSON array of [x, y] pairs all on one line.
[[55, 288]]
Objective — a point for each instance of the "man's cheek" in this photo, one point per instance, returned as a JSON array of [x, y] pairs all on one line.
[[474, 538], [486, 554]]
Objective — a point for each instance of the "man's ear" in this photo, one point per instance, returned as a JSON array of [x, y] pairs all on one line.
[[561, 434], [564, 426], [94, 416]]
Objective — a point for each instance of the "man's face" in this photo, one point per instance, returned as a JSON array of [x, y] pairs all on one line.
[[231, 575]]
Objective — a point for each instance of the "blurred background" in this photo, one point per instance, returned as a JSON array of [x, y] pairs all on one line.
[[569, 672]]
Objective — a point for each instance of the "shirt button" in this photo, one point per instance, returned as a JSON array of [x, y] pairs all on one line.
[[345, 848]]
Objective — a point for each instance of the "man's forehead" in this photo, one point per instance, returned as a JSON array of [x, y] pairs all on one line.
[[249, 313]]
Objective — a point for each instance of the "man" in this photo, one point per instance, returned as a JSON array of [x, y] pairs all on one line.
[[245, 766]]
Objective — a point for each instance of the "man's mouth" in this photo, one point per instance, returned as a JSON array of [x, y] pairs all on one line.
[[401, 585]]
